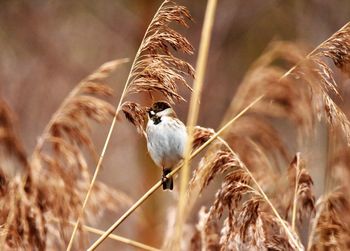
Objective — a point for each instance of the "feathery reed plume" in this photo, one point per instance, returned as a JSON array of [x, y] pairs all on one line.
[[201, 135], [136, 115], [58, 177], [10, 145], [283, 97], [275, 239], [331, 223], [339, 161], [248, 232], [255, 137], [70, 120], [155, 68], [244, 227], [314, 71], [207, 236], [301, 95], [21, 218], [258, 143], [330, 227], [337, 48], [302, 202]]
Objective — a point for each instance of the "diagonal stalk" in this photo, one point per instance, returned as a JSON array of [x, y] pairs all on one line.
[[99, 163], [124, 240], [308, 56], [287, 73], [193, 114], [115, 237], [159, 183], [119, 238]]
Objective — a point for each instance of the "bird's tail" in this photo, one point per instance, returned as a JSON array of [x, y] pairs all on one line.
[[168, 183]]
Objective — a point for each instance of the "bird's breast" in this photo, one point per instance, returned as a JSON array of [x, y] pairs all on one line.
[[166, 141]]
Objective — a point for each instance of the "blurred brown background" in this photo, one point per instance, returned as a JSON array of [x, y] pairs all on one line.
[[48, 46]]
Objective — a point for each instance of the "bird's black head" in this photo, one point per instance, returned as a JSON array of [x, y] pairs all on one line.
[[158, 107]]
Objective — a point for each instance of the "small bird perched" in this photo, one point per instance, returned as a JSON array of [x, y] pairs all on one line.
[[166, 139]]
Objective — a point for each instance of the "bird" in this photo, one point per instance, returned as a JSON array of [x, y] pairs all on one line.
[[166, 139]]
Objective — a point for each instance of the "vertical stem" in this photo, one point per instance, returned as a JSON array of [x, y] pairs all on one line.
[[193, 112]]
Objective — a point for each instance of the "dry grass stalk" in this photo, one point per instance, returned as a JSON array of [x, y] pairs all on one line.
[[193, 116], [113, 237]]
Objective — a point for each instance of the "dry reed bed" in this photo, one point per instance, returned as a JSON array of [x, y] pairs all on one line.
[[251, 156], [46, 191]]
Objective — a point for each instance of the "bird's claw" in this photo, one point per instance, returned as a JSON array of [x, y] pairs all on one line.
[[164, 179]]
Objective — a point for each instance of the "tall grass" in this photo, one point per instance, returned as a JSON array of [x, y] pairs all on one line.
[[259, 181], [51, 182]]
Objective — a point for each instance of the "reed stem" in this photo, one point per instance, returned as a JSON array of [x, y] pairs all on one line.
[[193, 114]]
